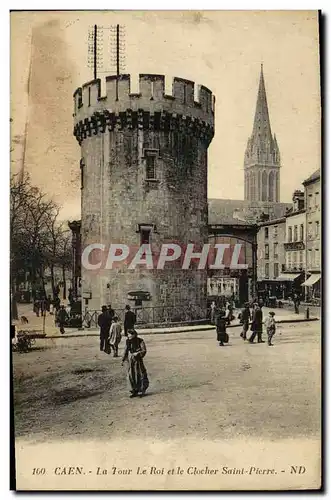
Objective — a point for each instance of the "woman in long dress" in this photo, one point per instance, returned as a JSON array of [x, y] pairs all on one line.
[[222, 336], [135, 351], [115, 336]]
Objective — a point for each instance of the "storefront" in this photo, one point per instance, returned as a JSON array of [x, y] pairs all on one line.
[[313, 284], [282, 287]]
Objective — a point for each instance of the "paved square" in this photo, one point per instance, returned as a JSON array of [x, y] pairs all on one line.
[[66, 389]]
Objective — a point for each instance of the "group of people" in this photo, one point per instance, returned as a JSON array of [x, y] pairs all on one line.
[[248, 318], [226, 307], [42, 306], [135, 348]]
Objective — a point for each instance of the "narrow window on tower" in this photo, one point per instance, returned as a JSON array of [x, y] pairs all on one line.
[[89, 96], [150, 168], [150, 156], [145, 236], [82, 165]]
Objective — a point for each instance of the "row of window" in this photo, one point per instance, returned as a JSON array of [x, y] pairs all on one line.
[[266, 250], [274, 232], [296, 233], [295, 258], [275, 269], [150, 166], [313, 230], [313, 201]]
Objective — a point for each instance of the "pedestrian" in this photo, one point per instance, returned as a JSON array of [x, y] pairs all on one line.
[[245, 318], [296, 302], [115, 336], [212, 312], [229, 313], [36, 307], [104, 323], [270, 326], [61, 318], [256, 327], [57, 303], [221, 323], [135, 351], [129, 320]]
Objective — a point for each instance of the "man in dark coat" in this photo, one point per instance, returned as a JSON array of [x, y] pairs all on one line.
[[257, 325], [129, 320], [61, 318], [221, 328], [296, 302], [244, 319], [104, 322]]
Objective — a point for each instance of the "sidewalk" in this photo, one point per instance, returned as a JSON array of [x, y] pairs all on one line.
[[36, 325], [291, 318]]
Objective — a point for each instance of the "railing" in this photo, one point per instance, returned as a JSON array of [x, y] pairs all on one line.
[[153, 315]]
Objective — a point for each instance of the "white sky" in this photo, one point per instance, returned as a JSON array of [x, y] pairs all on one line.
[[222, 50]]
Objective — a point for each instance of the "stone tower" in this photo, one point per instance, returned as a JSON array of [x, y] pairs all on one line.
[[262, 158], [144, 181]]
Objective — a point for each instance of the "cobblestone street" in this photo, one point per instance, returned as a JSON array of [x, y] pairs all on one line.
[[66, 388]]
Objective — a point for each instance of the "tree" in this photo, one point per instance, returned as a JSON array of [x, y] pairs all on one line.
[[32, 218]]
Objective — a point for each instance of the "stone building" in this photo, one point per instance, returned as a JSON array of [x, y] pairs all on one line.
[[144, 181], [295, 243], [271, 255], [312, 187]]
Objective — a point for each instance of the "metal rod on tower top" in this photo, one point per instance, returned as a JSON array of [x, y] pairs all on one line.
[[95, 51], [118, 49], [117, 58]]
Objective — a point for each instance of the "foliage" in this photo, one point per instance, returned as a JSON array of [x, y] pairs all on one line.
[[39, 241]]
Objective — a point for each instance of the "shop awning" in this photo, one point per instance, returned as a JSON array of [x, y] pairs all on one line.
[[314, 278], [288, 277]]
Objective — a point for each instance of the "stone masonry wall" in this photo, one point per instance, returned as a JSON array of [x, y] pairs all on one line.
[[117, 197]]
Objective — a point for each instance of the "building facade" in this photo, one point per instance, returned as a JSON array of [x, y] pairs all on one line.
[[144, 182], [270, 251], [262, 157], [312, 187], [295, 244]]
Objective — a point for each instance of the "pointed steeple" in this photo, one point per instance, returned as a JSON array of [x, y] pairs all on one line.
[[261, 127], [262, 157]]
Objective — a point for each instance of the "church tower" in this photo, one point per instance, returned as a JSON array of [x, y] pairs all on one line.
[[262, 158]]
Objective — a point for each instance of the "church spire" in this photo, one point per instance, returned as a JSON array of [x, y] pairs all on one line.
[[261, 127], [262, 158]]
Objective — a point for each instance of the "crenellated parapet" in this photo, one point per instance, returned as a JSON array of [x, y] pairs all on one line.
[[150, 109]]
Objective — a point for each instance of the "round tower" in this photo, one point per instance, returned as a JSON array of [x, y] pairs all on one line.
[[144, 181]]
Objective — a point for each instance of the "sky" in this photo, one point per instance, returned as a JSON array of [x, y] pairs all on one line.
[[222, 50]]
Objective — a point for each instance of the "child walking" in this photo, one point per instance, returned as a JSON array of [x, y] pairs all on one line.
[[271, 326]]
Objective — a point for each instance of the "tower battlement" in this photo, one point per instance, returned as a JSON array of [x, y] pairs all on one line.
[[151, 98]]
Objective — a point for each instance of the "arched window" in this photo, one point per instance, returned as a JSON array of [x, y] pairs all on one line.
[[251, 185], [277, 187], [264, 186], [259, 186], [271, 196]]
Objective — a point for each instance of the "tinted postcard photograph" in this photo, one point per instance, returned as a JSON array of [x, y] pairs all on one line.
[[165, 232]]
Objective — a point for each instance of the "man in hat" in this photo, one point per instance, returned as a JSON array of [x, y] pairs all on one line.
[[129, 320], [245, 318], [104, 322], [135, 351], [270, 326], [256, 326]]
